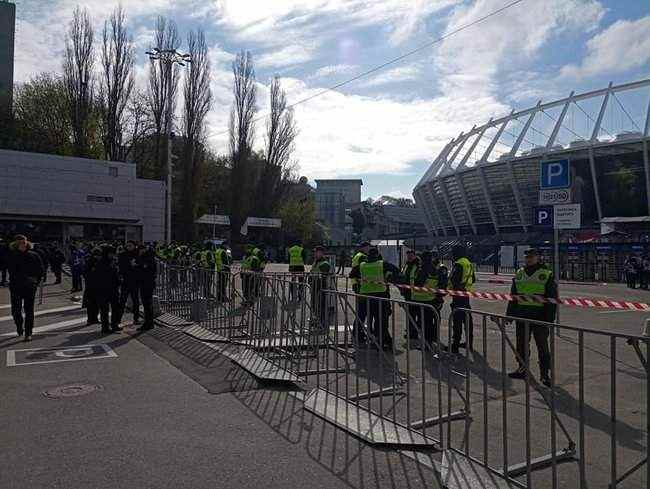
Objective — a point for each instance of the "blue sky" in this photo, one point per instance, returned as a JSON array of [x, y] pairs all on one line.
[[385, 128]]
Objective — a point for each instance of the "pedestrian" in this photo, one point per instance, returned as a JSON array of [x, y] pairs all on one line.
[[431, 275], [646, 272], [77, 262], [533, 279], [360, 303], [222, 262], [106, 285], [297, 257], [4, 259], [630, 272], [343, 261], [374, 275], [57, 259], [41, 250], [147, 272], [128, 273], [93, 281], [25, 273], [463, 278]]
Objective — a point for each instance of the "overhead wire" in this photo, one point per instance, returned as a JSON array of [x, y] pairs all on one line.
[[389, 62]]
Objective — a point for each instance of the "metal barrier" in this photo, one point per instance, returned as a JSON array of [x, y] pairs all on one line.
[[371, 374]]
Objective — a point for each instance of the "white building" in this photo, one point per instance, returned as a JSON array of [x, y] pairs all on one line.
[[52, 197]]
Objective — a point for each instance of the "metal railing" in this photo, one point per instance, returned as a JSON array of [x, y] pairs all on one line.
[[379, 367]]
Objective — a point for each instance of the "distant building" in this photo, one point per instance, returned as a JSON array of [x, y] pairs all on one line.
[[7, 35], [403, 222], [52, 197], [334, 199]]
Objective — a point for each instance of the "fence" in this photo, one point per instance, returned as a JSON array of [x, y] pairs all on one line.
[[370, 373]]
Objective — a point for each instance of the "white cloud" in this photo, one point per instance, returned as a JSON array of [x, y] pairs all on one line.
[[336, 70], [396, 75], [291, 55], [624, 45]]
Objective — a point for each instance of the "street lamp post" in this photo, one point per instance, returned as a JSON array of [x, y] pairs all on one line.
[[168, 57]]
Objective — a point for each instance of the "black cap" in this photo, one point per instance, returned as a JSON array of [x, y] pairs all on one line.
[[531, 252], [364, 244], [372, 252]]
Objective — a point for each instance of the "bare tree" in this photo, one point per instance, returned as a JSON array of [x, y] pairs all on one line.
[[281, 132], [78, 77], [116, 83], [242, 134], [198, 99], [165, 38]]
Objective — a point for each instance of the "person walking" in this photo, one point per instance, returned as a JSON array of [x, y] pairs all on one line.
[[222, 262], [106, 285], [57, 259], [297, 258], [463, 278], [408, 274], [128, 272], [146, 279], [93, 282], [343, 261], [25, 273], [77, 263], [533, 279], [319, 281], [630, 272]]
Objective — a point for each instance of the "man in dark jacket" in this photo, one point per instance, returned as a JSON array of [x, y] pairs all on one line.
[[408, 274], [533, 279], [147, 271], [4, 258], [93, 282], [57, 259], [106, 283], [25, 273], [129, 279], [463, 278], [432, 274]]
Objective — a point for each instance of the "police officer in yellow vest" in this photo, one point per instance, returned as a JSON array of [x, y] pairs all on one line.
[[463, 278], [222, 264], [431, 275], [297, 257], [409, 272], [319, 281], [374, 275], [361, 305], [533, 279]]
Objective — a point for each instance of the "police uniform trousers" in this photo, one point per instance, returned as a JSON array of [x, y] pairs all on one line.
[[461, 320], [541, 334], [22, 298]]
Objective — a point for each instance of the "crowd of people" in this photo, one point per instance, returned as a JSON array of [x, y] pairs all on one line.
[[637, 271]]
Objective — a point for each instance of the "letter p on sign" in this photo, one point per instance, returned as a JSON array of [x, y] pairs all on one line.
[[555, 174]]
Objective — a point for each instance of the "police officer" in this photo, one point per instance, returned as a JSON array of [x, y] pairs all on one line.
[[361, 303], [147, 272], [106, 283], [25, 273], [432, 274], [374, 275], [533, 279], [297, 257], [57, 259], [463, 278], [222, 262], [206, 269], [319, 281], [408, 275]]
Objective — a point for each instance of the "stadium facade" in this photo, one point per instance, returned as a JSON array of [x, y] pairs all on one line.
[[486, 181]]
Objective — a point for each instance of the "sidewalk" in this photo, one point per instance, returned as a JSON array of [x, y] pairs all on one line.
[[166, 412]]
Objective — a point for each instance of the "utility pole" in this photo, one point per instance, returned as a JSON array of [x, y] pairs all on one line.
[[168, 57]]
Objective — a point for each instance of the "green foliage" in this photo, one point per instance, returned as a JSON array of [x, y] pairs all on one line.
[[299, 220]]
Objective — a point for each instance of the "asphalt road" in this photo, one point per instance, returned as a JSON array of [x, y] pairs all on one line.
[[165, 412]]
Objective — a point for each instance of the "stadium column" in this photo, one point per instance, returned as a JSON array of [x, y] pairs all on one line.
[[463, 194], [445, 196], [646, 157], [558, 124], [429, 192]]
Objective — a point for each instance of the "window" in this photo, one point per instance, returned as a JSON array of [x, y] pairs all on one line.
[[112, 171]]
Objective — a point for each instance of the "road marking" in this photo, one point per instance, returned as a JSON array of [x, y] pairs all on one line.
[[617, 311], [46, 311], [50, 327], [59, 354]]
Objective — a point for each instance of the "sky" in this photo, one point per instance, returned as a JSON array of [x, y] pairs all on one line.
[[387, 127]]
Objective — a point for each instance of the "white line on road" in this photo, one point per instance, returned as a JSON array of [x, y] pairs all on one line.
[[621, 310], [51, 327], [46, 311]]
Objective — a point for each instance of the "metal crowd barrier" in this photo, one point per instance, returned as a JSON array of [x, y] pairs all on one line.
[[588, 430]]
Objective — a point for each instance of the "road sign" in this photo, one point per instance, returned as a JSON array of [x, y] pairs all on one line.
[[555, 174], [543, 216], [555, 196], [566, 216]]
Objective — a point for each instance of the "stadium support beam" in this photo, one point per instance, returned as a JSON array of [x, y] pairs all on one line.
[[594, 181], [445, 196], [495, 139], [524, 131], [463, 194], [601, 114], [463, 162], [434, 208], [560, 120], [486, 193], [421, 201], [646, 165], [646, 132], [515, 191], [462, 140]]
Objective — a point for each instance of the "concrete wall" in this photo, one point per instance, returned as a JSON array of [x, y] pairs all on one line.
[[39, 185], [7, 34], [351, 189]]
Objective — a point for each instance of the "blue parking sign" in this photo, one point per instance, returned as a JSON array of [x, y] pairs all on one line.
[[543, 216], [555, 174]]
